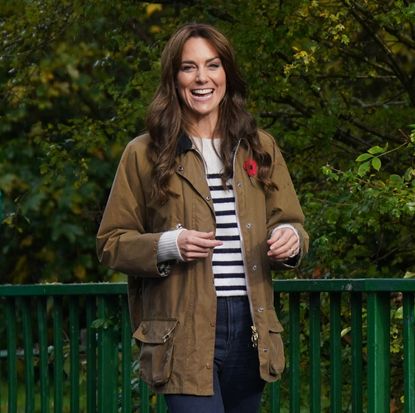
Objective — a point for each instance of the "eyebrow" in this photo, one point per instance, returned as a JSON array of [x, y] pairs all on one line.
[[207, 61]]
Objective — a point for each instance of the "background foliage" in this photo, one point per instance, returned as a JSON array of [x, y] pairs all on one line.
[[332, 80]]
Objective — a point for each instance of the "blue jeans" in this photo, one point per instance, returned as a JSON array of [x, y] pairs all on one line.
[[236, 382]]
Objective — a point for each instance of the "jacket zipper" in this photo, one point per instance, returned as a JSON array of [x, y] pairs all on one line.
[[254, 332]]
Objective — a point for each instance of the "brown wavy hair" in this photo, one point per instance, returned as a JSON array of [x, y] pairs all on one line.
[[167, 120]]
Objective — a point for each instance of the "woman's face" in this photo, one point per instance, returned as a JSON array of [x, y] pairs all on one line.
[[201, 80]]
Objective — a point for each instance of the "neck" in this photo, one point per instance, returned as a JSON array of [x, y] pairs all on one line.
[[204, 127]]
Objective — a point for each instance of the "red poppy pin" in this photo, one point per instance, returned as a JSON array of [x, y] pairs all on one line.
[[250, 167]]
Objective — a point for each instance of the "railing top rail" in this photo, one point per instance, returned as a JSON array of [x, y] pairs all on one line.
[[303, 285], [12, 290], [346, 285]]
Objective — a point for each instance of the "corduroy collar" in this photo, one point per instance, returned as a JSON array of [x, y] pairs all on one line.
[[184, 144]]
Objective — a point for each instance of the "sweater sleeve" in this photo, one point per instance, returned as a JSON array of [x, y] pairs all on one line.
[[167, 247]]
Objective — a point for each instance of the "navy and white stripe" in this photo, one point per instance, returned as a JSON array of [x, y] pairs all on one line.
[[227, 260]]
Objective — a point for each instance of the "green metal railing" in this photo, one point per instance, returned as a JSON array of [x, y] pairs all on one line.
[[68, 348], [355, 316]]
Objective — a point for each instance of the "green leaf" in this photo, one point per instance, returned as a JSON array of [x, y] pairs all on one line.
[[363, 168], [395, 180], [376, 163], [364, 157], [375, 150]]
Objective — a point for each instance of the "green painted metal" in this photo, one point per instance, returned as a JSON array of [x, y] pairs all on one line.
[[335, 353], [79, 339], [315, 358], [126, 361], [58, 381], [294, 353], [74, 353], [11, 355], [346, 285], [107, 355], [144, 396], [23, 304], [47, 290], [91, 351], [43, 354], [161, 405], [275, 395], [357, 344], [275, 388], [378, 318], [409, 351], [303, 285]]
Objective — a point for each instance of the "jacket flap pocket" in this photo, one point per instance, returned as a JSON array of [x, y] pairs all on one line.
[[273, 324], [155, 331]]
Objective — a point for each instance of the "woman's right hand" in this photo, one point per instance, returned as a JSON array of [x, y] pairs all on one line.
[[194, 245]]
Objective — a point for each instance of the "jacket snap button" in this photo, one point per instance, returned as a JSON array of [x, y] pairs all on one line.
[[208, 366], [254, 267], [239, 184], [180, 168], [260, 309], [208, 198], [249, 225]]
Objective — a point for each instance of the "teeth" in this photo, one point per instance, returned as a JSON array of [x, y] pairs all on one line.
[[202, 91]]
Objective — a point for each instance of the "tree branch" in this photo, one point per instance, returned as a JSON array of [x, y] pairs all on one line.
[[367, 23], [397, 33]]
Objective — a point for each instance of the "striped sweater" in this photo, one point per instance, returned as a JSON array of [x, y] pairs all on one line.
[[227, 260]]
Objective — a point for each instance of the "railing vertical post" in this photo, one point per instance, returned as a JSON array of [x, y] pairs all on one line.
[[107, 354], [74, 352], [378, 342], [57, 355], [161, 404], [28, 354], [11, 355], [409, 351], [335, 353], [356, 321], [91, 350], [275, 387], [315, 364], [144, 398], [43, 354], [126, 357], [294, 355]]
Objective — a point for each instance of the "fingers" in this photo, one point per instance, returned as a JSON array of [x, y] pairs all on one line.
[[283, 244], [194, 245]]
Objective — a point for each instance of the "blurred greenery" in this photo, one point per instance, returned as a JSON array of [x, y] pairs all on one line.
[[332, 80]]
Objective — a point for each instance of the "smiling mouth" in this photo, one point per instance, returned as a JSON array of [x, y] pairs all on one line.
[[202, 92]]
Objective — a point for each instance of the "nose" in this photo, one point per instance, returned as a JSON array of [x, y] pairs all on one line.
[[201, 76]]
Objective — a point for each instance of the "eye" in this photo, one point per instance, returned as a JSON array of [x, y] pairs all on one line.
[[214, 65], [187, 68]]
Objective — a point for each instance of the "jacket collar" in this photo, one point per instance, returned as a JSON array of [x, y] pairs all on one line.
[[184, 144]]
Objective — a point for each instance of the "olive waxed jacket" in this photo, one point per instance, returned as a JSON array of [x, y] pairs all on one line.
[[173, 316]]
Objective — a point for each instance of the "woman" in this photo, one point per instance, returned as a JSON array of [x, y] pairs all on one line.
[[200, 209]]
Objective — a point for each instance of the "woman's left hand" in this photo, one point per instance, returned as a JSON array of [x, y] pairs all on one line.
[[283, 244]]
